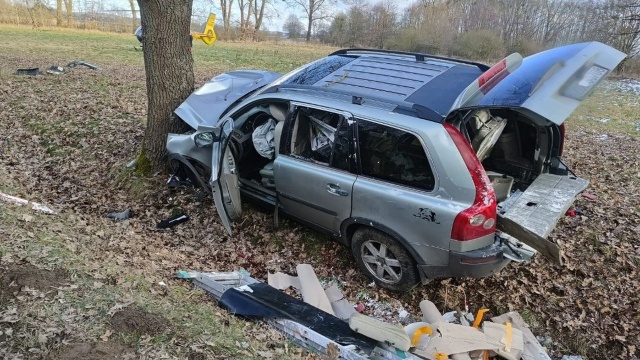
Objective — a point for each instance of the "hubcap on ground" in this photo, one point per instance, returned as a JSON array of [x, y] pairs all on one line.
[[381, 262]]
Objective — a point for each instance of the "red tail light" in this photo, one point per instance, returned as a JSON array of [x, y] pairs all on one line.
[[562, 132], [480, 219]]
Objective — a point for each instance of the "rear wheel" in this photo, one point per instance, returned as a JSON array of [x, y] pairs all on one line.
[[384, 260]]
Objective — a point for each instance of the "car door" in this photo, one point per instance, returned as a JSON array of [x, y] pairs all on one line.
[[312, 173], [224, 180]]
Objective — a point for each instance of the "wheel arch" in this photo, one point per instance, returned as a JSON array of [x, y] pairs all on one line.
[[349, 227]]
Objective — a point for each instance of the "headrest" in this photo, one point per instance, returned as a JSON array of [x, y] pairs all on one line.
[[278, 111]]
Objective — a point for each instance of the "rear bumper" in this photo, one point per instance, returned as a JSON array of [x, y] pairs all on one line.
[[474, 264]]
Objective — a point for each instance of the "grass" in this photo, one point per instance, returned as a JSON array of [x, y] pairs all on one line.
[[89, 300], [70, 129], [619, 112], [109, 48]]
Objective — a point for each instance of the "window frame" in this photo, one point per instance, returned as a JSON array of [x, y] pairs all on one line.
[[346, 117], [436, 181]]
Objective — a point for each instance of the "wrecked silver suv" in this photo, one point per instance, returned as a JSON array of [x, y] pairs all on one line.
[[423, 166]]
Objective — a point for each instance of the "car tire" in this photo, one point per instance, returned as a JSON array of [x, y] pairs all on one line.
[[384, 260]]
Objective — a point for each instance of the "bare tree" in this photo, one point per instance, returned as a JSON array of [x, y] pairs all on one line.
[[169, 72], [259, 7], [58, 13], [68, 5], [293, 27], [314, 10], [225, 8], [134, 15], [246, 10]]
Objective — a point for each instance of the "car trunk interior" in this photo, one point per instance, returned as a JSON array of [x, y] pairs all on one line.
[[513, 149]]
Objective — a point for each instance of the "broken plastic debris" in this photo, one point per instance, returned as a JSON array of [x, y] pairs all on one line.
[[55, 70], [244, 288], [29, 71], [82, 63], [35, 206], [172, 221], [162, 283], [123, 215]]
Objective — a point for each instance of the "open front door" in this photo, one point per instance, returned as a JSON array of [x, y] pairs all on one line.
[[224, 177]]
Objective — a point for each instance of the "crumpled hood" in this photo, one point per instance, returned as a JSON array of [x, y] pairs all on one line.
[[211, 100]]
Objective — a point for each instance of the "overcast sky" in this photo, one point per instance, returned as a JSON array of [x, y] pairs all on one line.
[[274, 17]]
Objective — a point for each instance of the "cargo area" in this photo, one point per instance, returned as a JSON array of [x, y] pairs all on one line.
[[512, 148]]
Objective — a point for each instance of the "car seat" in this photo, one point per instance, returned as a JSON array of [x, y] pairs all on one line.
[[279, 113]]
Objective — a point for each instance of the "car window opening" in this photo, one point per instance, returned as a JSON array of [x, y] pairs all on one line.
[[394, 155]]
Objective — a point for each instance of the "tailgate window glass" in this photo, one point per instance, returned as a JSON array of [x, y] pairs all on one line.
[[393, 155]]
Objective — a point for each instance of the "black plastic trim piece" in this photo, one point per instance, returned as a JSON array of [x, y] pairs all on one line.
[[306, 203]]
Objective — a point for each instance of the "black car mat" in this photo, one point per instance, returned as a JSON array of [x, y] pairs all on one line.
[[267, 301]]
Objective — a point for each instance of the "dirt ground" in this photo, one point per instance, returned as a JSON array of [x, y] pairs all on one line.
[[111, 289]]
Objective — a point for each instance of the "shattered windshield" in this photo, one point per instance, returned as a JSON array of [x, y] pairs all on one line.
[[313, 72]]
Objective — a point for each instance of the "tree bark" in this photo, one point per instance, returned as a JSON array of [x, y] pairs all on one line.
[[258, 14], [58, 13], [169, 72], [68, 5]]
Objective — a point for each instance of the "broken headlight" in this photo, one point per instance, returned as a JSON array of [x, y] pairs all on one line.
[[203, 139]]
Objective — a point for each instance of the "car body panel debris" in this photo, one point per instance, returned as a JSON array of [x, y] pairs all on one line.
[[29, 72], [34, 205], [307, 283], [380, 330], [532, 349], [365, 337]]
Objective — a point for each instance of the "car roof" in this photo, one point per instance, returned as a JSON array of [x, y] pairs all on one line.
[[420, 85]]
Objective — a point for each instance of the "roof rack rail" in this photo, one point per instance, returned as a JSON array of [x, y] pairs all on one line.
[[402, 107], [418, 56]]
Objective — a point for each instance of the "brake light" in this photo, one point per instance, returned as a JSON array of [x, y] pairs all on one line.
[[480, 219], [561, 146]]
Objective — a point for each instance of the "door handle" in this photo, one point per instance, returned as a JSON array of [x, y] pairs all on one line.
[[335, 190]]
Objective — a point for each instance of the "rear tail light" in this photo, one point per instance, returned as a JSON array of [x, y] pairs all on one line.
[[480, 219]]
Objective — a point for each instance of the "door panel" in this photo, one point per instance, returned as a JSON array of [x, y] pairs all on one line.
[[224, 177], [313, 192]]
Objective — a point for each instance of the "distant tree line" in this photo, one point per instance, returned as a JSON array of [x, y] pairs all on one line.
[[485, 29], [477, 29]]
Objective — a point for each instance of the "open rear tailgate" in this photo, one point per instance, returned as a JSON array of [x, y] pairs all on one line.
[[535, 213]]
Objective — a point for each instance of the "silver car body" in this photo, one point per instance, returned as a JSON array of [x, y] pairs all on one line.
[[340, 201]]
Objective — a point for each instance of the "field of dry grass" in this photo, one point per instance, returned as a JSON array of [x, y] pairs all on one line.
[[77, 284]]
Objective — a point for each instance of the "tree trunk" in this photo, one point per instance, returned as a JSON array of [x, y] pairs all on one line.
[[134, 15], [58, 13], [309, 24], [169, 71], [68, 5], [258, 14]]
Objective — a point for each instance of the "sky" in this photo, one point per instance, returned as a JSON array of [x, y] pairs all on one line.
[[201, 9]]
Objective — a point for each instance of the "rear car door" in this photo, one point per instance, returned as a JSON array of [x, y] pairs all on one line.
[[312, 172], [396, 191]]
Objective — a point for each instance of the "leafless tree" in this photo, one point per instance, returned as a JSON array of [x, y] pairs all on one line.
[[314, 10], [293, 27]]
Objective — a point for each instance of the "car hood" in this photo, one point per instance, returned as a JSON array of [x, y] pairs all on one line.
[[211, 100], [550, 84]]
